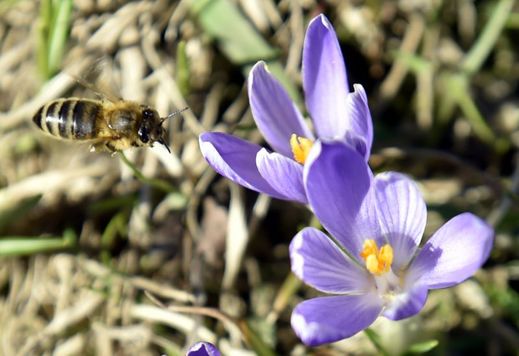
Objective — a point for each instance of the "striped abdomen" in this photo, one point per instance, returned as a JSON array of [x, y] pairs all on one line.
[[71, 118]]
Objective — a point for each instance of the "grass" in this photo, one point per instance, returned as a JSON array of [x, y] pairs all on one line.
[[129, 253]]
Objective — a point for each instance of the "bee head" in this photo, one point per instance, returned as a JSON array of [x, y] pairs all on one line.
[[150, 129]]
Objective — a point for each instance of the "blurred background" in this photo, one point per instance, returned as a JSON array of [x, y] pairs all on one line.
[[149, 252]]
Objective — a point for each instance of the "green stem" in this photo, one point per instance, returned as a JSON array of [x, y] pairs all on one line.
[[374, 338], [156, 183], [289, 288]]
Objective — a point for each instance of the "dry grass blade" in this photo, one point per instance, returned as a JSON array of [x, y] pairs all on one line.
[[47, 183], [180, 322], [162, 290], [83, 309], [54, 88], [237, 237]]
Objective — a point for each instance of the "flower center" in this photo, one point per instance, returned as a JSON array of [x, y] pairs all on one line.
[[378, 261], [300, 147]]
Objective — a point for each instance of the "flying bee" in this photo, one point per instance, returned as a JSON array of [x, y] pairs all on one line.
[[110, 125]]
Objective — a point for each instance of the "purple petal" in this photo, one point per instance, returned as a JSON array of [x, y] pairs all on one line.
[[327, 319], [454, 253], [318, 262], [359, 118], [275, 114], [358, 143], [402, 214], [337, 182], [203, 349], [407, 304], [235, 159], [324, 80], [283, 174]]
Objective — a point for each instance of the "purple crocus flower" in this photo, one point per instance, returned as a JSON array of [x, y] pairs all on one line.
[[373, 265], [337, 114], [203, 348]]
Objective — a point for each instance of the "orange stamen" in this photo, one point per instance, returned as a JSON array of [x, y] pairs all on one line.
[[378, 261], [300, 147]]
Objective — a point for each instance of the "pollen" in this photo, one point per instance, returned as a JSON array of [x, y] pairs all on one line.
[[378, 261], [300, 147]]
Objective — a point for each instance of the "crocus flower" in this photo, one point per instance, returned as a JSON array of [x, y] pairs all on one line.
[[336, 114], [373, 265], [203, 349]]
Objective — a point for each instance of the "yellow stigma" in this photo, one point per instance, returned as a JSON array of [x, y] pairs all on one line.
[[378, 261], [300, 147]]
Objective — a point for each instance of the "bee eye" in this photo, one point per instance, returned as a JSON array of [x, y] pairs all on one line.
[[147, 114], [143, 134]]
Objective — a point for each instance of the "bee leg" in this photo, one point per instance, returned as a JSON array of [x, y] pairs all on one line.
[[111, 148], [97, 147], [102, 147]]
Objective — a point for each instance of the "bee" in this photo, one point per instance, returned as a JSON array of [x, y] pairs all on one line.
[[110, 125]]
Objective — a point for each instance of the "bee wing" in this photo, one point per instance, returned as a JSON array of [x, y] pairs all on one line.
[[92, 81], [100, 93]]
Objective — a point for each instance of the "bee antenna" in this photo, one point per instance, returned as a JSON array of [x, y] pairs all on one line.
[[173, 114]]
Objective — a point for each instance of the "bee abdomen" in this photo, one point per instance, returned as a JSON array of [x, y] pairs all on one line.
[[71, 118]]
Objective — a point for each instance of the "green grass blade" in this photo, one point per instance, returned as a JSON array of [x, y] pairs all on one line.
[[6, 4], [13, 214], [222, 20], [116, 227], [44, 23], [154, 182], [182, 73], [239, 40], [24, 246], [423, 347], [53, 32], [59, 34], [488, 38], [254, 340], [375, 340]]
